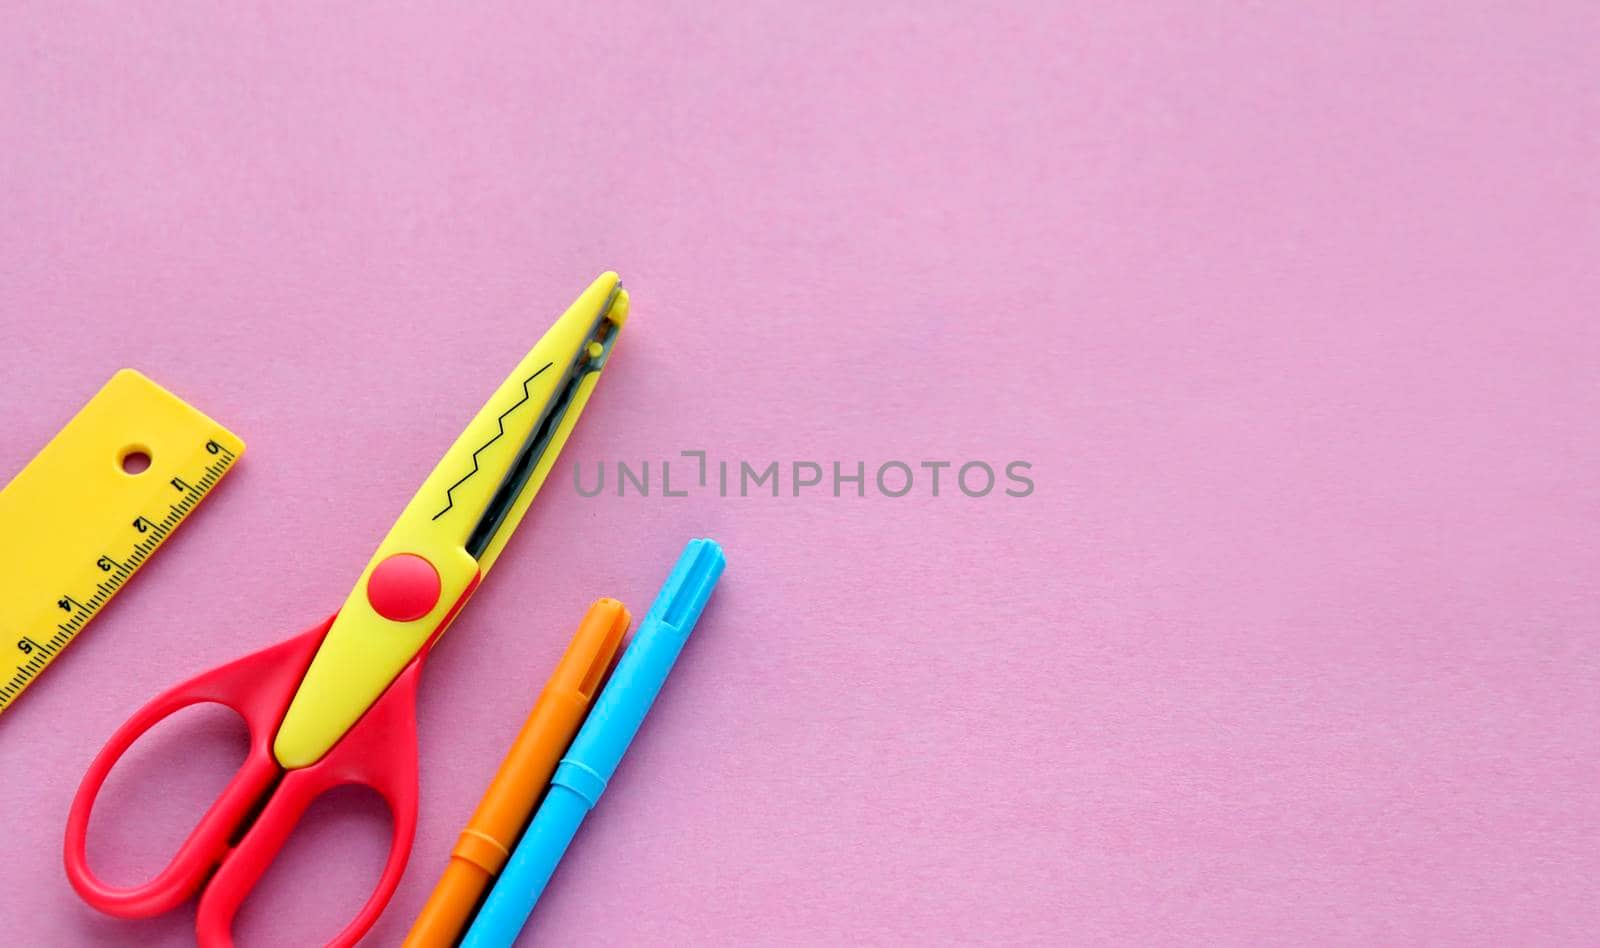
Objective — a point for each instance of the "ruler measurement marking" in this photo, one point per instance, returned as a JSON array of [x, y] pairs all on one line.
[[122, 568]]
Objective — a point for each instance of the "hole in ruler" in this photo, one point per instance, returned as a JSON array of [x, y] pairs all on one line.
[[135, 460]]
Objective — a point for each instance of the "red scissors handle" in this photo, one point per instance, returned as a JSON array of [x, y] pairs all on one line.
[[379, 752]]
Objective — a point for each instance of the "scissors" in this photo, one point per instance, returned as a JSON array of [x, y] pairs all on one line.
[[335, 705]]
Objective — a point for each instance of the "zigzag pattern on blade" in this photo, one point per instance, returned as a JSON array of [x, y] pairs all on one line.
[[500, 422]]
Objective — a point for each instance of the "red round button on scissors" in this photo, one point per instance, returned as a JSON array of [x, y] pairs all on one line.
[[336, 704]]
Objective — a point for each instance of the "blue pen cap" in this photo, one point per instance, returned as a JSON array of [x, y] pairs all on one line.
[[620, 709], [684, 596]]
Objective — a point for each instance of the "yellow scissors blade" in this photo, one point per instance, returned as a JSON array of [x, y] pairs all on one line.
[[457, 524]]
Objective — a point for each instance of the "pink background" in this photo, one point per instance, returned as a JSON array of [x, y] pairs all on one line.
[[1292, 308]]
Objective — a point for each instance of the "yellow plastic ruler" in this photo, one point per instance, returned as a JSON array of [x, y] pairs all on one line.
[[91, 508]]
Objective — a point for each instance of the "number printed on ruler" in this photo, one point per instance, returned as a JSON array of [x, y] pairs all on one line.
[[81, 604], [92, 520], [114, 570]]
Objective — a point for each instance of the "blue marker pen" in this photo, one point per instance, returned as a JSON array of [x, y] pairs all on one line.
[[599, 746]]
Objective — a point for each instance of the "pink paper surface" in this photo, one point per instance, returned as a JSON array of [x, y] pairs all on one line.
[[1291, 308]]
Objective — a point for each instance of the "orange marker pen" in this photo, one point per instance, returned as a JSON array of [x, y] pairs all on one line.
[[506, 806]]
